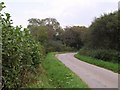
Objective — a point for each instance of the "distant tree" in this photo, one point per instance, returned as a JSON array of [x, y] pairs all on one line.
[[47, 31], [40, 33], [53, 26], [72, 36]]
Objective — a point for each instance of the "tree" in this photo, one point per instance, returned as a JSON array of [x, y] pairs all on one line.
[[104, 32], [40, 33], [73, 36], [47, 31], [53, 26]]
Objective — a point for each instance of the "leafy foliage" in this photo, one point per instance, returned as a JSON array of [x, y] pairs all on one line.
[[103, 38], [20, 54], [98, 62], [40, 33], [106, 55], [72, 36], [51, 24], [57, 46], [49, 33], [104, 32], [22, 49]]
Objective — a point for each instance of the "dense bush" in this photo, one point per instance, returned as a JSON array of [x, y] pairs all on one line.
[[20, 54], [106, 55], [73, 36], [104, 32], [53, 46], [101, 41]]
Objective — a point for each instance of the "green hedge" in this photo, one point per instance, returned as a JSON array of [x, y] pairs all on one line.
[[106, 55], [20, 54]]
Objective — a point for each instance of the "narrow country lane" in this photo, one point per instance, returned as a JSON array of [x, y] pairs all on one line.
[[94, 76]]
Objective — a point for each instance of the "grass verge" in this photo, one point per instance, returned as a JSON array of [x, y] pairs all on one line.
[[105, 64], [40, 79], [59, 75]]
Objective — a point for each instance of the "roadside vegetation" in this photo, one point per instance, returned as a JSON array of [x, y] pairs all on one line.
[[40, 79], [98, 62], [21, 54], [54, 74], [59, 75], [27, 60], [101, 46]]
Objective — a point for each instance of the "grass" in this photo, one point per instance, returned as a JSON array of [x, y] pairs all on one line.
[[40, 80], [105, 64], [59, 75], [53, 74]]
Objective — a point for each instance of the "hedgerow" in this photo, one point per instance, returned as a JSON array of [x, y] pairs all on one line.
[[21, 54], [103, 54]]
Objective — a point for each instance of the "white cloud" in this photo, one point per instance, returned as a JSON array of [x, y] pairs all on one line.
[[67, 12]]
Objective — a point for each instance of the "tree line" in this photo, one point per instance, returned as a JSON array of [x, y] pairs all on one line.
[[103, 33], [100, 40], [55, 38], [23, 50]]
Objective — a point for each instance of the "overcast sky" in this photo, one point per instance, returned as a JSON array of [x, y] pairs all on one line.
[[67, 12]]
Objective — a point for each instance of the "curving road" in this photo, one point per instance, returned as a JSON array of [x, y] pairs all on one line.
[[94, 76]]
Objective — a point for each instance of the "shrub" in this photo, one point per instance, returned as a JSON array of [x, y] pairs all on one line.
[[53, 46], [20, 54], [106, 55]]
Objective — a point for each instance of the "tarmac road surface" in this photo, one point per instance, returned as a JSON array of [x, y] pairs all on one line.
[[94, 76]]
